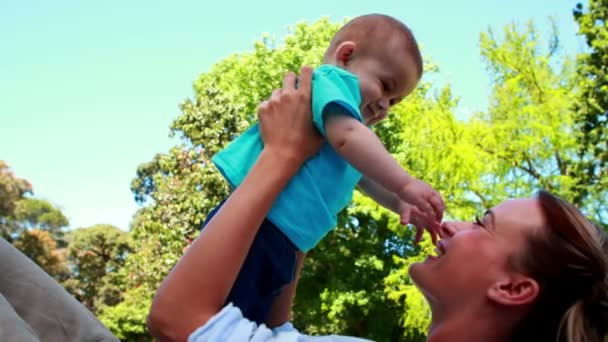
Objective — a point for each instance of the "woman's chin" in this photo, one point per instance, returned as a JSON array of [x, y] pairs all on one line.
[[427, 262], [430, 258], [419, 271], [416, 269]]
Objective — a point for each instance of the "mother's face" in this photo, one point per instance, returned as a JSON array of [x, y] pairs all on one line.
[[474, 261]]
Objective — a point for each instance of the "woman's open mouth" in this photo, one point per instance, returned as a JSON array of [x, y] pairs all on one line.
[[439, 249]]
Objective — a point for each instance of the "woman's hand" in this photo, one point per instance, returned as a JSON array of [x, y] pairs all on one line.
[[214, 259], [286, 120]]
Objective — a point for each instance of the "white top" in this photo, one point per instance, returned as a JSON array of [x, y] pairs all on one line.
[[230, 325]]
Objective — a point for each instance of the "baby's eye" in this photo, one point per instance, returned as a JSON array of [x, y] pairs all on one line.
[[385, 86], [395, 101]]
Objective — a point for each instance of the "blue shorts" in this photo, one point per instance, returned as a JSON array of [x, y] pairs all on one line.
[[270, 265]]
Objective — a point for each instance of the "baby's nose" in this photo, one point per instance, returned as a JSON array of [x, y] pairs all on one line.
[[383, 104]]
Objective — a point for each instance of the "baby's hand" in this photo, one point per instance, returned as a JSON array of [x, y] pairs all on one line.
[[426, 199], [409, 214]]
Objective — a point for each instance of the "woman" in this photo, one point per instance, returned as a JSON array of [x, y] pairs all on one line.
[[529, 270]]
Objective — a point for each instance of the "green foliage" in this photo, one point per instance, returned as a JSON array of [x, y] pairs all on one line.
[[350, 265], [531, 131], [125, 319], [355, 281], [19, 213], [179, 188], [12, 190], [33, 213], [34, 226], [95, 255], [591, 108], [527, 131], [341, 290], [41, 247], [38, 231], [400, 289]]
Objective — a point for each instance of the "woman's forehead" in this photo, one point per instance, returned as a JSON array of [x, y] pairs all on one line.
[[521, 213]]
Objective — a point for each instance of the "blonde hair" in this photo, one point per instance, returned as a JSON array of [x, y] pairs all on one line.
[[569, 260]]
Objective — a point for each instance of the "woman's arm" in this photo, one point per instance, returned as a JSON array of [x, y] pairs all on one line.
[[198, 285]]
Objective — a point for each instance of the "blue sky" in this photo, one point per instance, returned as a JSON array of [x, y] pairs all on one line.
[[88, 89]]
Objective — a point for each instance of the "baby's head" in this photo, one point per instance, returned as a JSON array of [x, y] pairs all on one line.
[[384, 55]]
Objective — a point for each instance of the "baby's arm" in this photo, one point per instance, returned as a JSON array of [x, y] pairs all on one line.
[[357, 144], [379, 194], [407, 213], [363, 150]]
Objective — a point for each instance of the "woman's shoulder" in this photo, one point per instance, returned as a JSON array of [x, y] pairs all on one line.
[[230, 325]]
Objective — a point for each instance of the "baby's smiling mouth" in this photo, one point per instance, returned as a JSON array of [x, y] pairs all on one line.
[[370, 114]]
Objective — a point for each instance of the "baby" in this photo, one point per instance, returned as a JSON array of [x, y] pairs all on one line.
[[372, 63]]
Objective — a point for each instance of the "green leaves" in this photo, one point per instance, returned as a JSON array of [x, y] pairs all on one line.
[[399, 288], [95, 255], [591, 109], [127, 319], [532, 134], [355, 281], [12, 190], [34, 213], [41, 247]]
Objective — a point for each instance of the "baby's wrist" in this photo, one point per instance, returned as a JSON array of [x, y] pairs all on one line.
[[404, 187]]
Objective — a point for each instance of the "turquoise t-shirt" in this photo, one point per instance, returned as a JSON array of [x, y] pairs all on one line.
[[307, 208]]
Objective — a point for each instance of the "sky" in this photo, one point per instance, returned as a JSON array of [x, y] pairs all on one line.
[[88, 89]]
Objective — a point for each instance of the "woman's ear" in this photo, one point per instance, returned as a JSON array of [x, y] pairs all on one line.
[[344, 53], [514, 289]]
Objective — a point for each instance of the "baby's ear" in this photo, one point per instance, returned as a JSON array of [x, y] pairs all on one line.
[[344, 53], [513, 290]]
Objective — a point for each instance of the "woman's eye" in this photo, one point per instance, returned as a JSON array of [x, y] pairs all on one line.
[[478, 222]]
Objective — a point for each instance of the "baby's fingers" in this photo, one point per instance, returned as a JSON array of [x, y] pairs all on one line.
[[418, 237], [436, 202]]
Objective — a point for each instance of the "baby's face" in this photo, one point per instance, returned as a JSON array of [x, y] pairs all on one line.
[[385, 80]]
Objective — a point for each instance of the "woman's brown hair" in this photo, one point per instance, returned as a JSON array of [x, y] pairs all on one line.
[[569, 260]]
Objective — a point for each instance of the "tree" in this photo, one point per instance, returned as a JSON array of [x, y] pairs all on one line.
[[531, 127], [95, 255], [355, 282], [591, 107], [32, 225], [126, 320], [12, 189], [180, 187], [40, 246], [415, 311], [37, 231], [526, 132], [33, 213]]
